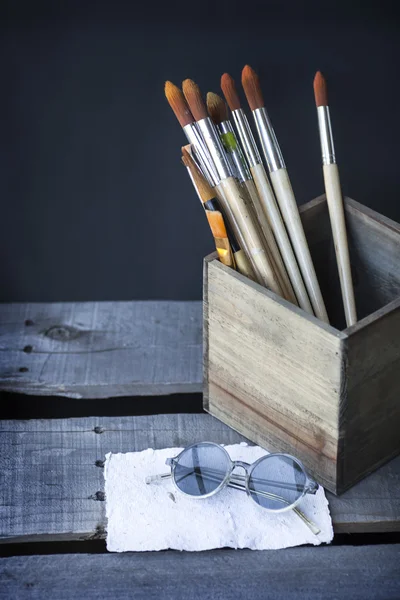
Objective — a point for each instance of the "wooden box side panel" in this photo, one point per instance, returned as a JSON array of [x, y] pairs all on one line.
[[317, 227], [371, 419], [207, 260], [374, 242], [274, 374]]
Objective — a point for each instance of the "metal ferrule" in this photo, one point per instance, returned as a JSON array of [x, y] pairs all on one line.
[[269, 143], [197, 161], [234, 151], [203, 156], [246, 137], [215, 147], [325, 134]]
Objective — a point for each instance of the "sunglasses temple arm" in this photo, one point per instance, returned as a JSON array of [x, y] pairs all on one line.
[[238, 486], [312, 526], [157, 478]]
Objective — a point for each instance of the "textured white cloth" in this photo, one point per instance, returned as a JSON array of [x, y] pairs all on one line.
[[156, 516]]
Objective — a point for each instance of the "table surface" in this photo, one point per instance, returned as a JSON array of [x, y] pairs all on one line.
[[51, 470]]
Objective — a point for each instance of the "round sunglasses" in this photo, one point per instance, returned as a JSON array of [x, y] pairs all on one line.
[[277, 482]]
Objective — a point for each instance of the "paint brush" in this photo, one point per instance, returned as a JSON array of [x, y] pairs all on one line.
[[211, 203], [265, 192], [283, 189], [218, 112], [334, 199], [218, 229], [177, 102], [230, 192]]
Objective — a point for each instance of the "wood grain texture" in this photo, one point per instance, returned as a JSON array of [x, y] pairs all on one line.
[[375, 257], [274, 372], [371, 418], [327, 573], [280, 378], [101, 349], [322, 250], [52, 486]]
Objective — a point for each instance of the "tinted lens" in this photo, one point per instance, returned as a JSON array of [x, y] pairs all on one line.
[[201, 469], [277, 482]]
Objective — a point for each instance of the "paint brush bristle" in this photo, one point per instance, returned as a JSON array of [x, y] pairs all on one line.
[[194, 98], [251, 86], [217, 224], [229, 89], [320, 90], [205, 191], [177, 102], [217, 108]]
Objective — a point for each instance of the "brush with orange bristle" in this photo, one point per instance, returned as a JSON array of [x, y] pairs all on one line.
[[230, 194], [180, 107], [265, 192], [283, 189], [218, 111], [211, 203], [334, 199]]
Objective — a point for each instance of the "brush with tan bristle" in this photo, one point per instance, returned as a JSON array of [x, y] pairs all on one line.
[[283, 190], [265, 192], [210, 202], [218, 229], [218, 112], [334, 199], [230, 194]]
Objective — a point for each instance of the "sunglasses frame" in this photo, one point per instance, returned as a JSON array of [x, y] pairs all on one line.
[[310, 486]]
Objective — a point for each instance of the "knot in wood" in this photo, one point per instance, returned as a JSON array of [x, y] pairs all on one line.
[[62, 333]]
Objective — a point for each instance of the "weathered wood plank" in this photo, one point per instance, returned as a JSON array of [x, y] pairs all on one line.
[[52, 488], [326, 573], [101, 349]]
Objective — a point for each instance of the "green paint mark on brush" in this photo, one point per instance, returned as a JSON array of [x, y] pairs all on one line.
[[229, 141]]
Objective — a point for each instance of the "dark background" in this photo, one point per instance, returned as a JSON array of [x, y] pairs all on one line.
[[95, 202]]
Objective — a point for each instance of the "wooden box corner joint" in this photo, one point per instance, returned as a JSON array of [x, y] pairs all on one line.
[[289, 382]]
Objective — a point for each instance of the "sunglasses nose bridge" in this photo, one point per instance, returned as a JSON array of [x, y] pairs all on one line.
[[240, 464]]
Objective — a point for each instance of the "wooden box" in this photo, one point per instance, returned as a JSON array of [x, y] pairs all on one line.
[[289, 382]]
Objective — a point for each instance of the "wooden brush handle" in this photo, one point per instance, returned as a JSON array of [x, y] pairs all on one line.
[[271, 210], [243, 265], [250, 239], [225, 255], [275, 255], [290, 213], [338, 224]]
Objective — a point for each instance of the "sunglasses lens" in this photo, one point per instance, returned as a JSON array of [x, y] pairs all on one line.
[[201, 469], [276, 482]]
